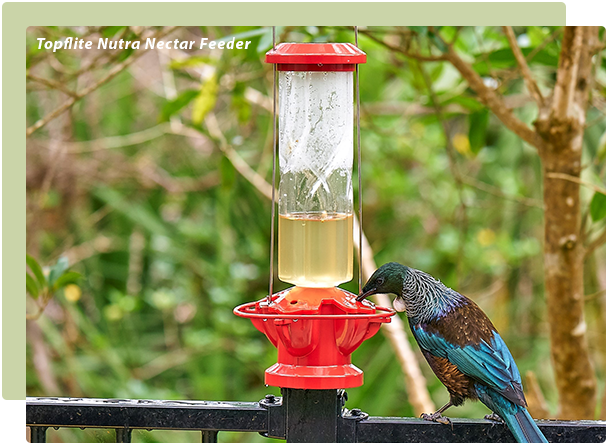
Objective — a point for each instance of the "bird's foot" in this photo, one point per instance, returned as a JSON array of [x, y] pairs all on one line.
[[437, 417], [494, 417]]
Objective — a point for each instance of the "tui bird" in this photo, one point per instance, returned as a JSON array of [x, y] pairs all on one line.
[[461, 345]]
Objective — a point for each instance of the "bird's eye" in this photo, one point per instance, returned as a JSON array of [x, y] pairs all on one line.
[[380, 281]]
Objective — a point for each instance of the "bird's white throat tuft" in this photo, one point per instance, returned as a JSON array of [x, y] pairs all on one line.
[[399, 305]]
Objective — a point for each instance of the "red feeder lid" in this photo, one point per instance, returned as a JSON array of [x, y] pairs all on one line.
[[316, 56]]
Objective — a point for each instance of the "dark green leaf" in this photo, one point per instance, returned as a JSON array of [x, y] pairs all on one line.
[[597, 207], [125, 54], [436, 40], [469, 103], [31, 285], [420, 30], [228, 173], [66, 279], [503, 58], [58, 270], [36, 269], [478, 122], [174, 106], [110, 31]]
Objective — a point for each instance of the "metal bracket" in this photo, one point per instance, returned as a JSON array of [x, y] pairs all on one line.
[[276, 422]]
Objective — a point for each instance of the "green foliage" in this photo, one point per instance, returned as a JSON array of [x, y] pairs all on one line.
[[597, 207], [175, 105], [205, 101], [42, 288], [478, 124]]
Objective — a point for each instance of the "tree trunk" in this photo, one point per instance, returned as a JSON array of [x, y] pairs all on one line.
[[562, 126]]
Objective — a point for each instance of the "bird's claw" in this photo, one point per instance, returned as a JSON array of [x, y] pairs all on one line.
[[494, 417], [436, 417]]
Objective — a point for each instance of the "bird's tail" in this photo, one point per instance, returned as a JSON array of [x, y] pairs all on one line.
[[523, 427]]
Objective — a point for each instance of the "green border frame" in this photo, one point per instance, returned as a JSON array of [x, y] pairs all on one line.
[[17, 17]]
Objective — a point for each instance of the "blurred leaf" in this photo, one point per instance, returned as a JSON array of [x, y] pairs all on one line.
[[601, 151], [31, 285], [265, 43], [36, 269], [478, 123], [503, 58], [228, 173], [239, 103], [251, 33], [436, 40], [191, 62], [67, 278], [111, 31], [132, 210], [420, 30], [467, 102], [57, 270], [174, 106], [597, 207], [206, 100], [125, 54]]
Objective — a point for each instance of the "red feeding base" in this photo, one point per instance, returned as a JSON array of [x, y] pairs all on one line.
[[315, 331]]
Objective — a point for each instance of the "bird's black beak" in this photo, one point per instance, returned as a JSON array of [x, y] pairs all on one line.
[[366, 294]]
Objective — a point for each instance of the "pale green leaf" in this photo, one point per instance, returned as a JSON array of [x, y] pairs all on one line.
[[31, 285], [205, 101], [36, 269]]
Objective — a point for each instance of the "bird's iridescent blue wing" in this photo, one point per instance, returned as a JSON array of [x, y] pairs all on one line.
[[488, 361]]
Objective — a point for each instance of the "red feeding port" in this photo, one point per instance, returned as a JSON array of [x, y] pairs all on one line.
[[315, 331]]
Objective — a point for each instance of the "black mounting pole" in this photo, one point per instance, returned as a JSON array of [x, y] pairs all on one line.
[[123, 435], [38, 434], [209, 436], [311, 415]]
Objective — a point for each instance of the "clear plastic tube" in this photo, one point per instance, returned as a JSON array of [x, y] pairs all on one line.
[[315, 232]]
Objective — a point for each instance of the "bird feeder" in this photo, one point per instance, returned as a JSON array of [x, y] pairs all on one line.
[[315, 325]]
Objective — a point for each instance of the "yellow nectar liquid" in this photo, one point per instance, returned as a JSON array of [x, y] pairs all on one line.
[[315, 250]]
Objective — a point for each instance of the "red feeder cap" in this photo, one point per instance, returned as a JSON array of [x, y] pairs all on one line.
[[316, 57]]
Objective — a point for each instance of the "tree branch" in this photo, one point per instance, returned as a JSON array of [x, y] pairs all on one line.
[[577, 180], [52, 84], [526, 74], [537, 405], [423, 58], [490, 189], [494, 101], [78, 96], [595, 243], [563, 93]]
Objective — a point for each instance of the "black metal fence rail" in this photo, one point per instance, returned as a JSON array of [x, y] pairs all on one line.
[[298, 416]]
